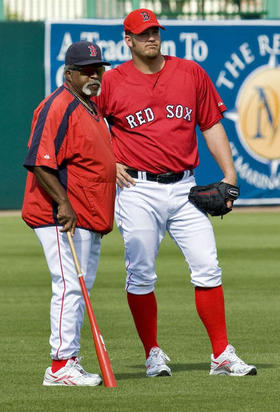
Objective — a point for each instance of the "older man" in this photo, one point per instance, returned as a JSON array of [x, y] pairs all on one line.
[[70, 187]]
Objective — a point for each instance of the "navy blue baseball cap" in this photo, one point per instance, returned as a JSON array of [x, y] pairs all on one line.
[[83, 53]]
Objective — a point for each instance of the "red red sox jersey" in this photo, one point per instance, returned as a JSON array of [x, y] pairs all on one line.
[[153, 116], [67, 138]]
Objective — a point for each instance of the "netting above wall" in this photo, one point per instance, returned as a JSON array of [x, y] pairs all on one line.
[[34, 10]]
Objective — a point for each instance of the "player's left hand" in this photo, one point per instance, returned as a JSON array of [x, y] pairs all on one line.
[[230, 181], [123, 178], [67, 217]]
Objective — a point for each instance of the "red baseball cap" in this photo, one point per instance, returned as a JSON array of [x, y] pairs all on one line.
[[140, 20]]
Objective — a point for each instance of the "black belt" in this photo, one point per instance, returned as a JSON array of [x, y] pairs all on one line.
[[169, 177]]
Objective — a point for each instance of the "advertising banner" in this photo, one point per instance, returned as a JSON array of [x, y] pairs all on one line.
[[243, 60]]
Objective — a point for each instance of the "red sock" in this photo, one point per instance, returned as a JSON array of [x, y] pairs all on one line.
[[58, 364], [211, 309], [144, 312]]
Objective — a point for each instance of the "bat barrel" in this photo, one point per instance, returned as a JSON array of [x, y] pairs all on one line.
[[100, 348]]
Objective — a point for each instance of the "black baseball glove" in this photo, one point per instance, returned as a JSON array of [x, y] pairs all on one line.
[[212, 198]]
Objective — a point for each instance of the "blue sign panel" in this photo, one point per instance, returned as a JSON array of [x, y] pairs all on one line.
[[243, 60]]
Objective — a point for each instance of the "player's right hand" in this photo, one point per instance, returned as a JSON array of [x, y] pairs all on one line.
[[123, 178], [67, 217]]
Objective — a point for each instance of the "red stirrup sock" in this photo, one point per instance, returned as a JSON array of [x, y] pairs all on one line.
[[211, 309], [58, 364], [144, 312]]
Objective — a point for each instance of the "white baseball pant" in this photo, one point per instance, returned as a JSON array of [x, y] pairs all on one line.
[[145, 212], [67, 303]]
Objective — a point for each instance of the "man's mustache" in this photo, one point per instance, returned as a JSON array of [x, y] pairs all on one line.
[[93, 82]]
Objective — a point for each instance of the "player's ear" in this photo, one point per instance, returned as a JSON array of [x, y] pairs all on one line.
[[128, 39], [68, 75]]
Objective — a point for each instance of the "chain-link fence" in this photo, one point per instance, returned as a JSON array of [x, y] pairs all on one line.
[[34, 10], [209, 9]]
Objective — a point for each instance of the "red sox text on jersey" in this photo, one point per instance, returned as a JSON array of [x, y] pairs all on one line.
[[147, 115]]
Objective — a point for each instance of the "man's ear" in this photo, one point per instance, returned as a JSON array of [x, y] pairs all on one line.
[[68, 75], [128, 40]]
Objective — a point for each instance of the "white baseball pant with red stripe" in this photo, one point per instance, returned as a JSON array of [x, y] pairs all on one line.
[[67, 303], [145, 212]]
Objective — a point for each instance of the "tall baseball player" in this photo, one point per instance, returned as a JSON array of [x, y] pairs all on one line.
[[70, 187], [154, 103]]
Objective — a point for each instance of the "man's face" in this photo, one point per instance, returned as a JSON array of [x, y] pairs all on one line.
[[85, 80], [146, 44]]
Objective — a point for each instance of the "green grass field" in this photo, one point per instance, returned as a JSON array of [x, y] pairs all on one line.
[[248, 245]]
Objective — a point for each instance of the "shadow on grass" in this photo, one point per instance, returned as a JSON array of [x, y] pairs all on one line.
[[206, 366], [178, 367]]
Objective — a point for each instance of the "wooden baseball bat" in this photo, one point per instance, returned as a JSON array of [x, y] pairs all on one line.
[[101, 352]]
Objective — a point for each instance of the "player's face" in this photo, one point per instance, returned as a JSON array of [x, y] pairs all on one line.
[[146, 44], [86, 80]]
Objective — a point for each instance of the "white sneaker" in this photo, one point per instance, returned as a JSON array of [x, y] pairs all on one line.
[[228, 363], [156, 363], [72, 374]]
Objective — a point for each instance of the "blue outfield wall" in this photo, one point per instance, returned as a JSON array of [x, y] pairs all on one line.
[[242, 59]]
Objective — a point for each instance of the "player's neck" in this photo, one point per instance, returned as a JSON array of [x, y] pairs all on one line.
[[148, 66], [85, 100]]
